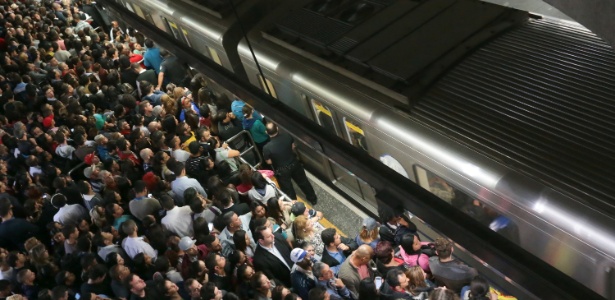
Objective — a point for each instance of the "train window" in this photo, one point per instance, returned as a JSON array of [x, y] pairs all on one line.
[[434, 184], [269, 85], [394, 164], [138, 11], [323, 115], [185, 32], [173, 28], [214, 55], [355, 133], [129, 7]]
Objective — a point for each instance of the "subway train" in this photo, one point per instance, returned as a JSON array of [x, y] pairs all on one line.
[[504, 114]]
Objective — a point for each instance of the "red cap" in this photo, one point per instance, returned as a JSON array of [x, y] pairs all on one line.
[[88, 158], [47, 121]]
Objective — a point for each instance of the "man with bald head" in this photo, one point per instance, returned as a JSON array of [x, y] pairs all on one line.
[[356, 268]]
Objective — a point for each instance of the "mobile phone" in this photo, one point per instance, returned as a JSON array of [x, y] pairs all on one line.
[[149, 195], [211, 226], [378, 282]]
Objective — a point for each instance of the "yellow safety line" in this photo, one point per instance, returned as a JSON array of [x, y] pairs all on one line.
[[324, 222]]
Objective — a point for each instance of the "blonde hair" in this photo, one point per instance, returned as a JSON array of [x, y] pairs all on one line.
[[30, 243], [300, 225]]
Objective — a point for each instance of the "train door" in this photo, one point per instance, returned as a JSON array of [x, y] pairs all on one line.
[[353, 132], [176, 31]]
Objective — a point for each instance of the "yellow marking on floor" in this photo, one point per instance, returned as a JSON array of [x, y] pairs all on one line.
[[324, 222]]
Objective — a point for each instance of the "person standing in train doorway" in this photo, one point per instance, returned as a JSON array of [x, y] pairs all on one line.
[[280, 154]]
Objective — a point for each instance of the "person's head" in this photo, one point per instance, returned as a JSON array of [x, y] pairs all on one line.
[[241, 239], [272, 129], [260, 210], [70, 231], [167, 202], [363, 255], [260, 283], [443, 294], [26, 277], [367, 289], [279, 292], [113, 259], [330, 237], [193, 288], [397, 280], [215, 263], [97, 273], [232, 221], [211, 291], [318, 292], [322, 271], [129, 227], [189, 246], [119, 272], [479, 288], [59, 292], [416, 277], [370, 229], [444, 248], [264, 236], [134, 283], [6, 208], [384, 252], [303, 226], [410, 243]]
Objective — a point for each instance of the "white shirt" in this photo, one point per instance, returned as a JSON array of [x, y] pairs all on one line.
[[181, 155], [179, 221], [273, 250], [136, 245], [256, 196], [7, 275], [70, 214], [181, 184]]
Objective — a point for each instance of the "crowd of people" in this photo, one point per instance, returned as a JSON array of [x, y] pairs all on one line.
[[117, 181]]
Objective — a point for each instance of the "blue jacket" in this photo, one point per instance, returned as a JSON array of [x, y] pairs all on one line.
[[301, 283], [152, 59]]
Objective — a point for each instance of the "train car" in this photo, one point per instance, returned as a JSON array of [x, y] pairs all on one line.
[[506, 117], [209, 26]]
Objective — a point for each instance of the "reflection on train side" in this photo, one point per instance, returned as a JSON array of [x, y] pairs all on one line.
[[471, 206]]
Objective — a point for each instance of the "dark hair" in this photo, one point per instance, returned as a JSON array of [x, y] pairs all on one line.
[[317, 293], [407, 242], [211, 261], [240, 240], [97, 271], [384, 252], [328, 236], [208, 291], [258, 181], [393, 277], [5, 206], [479, 289], [367, 289]]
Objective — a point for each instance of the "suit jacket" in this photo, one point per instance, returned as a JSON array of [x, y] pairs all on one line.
[[332, 262], [238, 208], [269, 264]]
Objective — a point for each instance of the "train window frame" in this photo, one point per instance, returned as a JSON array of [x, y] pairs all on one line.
[[270, 85], [351, 124], [185, 34], [138, 11], [129, 7], [319, 107], [175, 29], [213, 53]]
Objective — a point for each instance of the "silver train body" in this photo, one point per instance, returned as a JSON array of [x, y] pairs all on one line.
[[516, 112]]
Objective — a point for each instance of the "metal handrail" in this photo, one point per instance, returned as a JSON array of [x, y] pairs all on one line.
[[251, 148]]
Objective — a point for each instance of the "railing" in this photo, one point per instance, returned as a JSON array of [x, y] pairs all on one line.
[[251, 149]]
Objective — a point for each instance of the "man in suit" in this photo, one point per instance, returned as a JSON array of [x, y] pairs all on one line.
[[272, 255]]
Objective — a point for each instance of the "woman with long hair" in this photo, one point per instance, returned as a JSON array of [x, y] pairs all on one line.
[[261, 189], [244, 274], [368, 290], [167, 289], [242, 243], [418, 285], [304, 231], [46, 269], [410, 251], [279, 210]]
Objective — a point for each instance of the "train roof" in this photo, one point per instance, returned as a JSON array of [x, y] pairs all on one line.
[[401, 45], [538, 99]]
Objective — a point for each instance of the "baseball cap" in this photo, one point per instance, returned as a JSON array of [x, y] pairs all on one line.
[[370, 223], [297, 209], [186, 243], [297, 255], [87, 172]]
